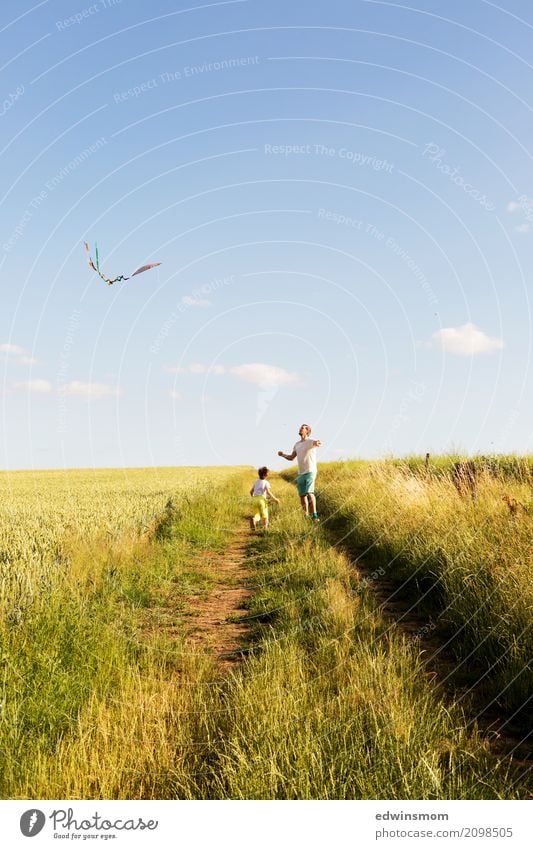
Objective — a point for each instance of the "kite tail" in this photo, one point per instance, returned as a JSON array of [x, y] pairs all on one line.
[[89, 260]]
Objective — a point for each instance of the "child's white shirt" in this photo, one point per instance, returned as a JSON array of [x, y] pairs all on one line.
[[261, 487]]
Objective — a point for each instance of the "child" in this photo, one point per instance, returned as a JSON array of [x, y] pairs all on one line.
[[260, 491]]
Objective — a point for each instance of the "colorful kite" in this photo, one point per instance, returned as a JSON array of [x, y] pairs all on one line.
[[96, 267]]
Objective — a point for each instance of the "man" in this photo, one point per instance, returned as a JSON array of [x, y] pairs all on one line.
[[305, 452]]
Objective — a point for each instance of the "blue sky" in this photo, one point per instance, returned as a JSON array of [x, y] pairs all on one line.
[[339, 194]]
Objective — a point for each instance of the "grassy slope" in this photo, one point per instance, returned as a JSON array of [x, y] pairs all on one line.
[[475, 555]]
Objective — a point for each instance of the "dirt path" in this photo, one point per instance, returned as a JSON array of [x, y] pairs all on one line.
[[213, 621]]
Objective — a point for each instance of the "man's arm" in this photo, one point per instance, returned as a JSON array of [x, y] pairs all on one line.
[[287, 456], [316, 443]]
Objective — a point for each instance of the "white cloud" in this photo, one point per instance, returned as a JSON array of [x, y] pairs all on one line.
[[175, 369], [523, 228], [175, 395], [41, 386], [89, 390], [264, 375], [465, 340], [196, 368], [189, 301], [21, 355], [512, 206], [8, 348]]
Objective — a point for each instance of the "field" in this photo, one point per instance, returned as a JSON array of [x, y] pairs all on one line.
[[153, 647]]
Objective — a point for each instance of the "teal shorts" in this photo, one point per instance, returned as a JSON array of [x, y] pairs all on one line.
[[306, 483]]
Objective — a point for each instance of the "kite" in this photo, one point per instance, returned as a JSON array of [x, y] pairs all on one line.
[[95, 265]]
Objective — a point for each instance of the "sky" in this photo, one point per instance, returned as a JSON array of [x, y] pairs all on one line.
[[340, 197]]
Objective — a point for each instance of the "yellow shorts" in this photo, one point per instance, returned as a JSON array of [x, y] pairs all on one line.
[[260, 507]]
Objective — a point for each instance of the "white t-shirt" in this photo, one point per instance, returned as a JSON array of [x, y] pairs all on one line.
[[306, 456], [261, 487]]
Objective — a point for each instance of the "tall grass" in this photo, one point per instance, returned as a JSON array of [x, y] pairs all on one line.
[[476, 554], [85, 669], [505, 467], [335, 705]]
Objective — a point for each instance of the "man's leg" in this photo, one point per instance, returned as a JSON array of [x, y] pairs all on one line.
[[312, 497], [305, 506]]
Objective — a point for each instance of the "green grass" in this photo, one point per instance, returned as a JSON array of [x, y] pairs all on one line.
[[475, 555], [104, 698], [506, 467], [84, 644], [334, 705]]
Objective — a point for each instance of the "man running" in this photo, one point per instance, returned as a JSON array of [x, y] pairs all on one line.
[[305, 452]]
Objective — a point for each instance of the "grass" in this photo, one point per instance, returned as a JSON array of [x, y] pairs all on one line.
[[102, 696], [470, 560], [81, 661], [505, 467], [334, 705]]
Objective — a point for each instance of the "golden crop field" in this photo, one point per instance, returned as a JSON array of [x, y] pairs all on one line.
[[44, 506], [44, 514]]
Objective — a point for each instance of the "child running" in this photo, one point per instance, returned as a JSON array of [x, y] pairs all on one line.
[[260, 491]]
